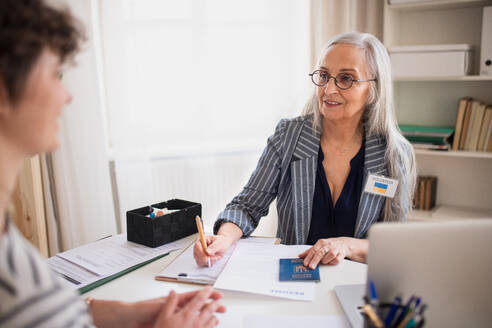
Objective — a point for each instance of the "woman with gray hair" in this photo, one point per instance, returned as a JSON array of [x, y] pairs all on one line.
[[337, 169]]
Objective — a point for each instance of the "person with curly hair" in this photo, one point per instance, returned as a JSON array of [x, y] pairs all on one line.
[[35, 40]]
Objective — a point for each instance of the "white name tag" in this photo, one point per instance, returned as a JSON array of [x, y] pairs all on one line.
[[380, 185]]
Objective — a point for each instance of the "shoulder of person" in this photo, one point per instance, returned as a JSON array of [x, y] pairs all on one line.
[[288, 124]]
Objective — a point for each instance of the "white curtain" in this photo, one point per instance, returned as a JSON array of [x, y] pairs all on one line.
[[332, 17], [76, 177], [202, 75], [197, 78]]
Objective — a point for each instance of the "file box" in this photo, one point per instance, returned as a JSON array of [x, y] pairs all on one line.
[[431, 60], [157, 231]]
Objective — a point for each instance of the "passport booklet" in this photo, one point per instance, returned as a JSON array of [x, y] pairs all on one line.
[[294, 270]]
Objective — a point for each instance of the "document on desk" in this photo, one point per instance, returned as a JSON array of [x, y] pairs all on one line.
[[294, 321], [254, 268], [89, 263], [185, 269], [114, 253]]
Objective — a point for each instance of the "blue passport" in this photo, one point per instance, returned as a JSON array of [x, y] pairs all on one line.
[[294, 270]]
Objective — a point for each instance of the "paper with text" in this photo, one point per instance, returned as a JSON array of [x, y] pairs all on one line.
[[294, 321], [254, 268], [114, 254], [184, 267]]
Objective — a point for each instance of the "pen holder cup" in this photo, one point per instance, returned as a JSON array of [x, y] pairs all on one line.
[[383, 310], [157, 231]]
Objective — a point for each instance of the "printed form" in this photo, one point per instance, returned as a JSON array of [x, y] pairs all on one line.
[[86, 264], [254, 268]]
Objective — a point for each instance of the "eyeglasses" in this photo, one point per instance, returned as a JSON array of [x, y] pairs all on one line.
[[343, 81]]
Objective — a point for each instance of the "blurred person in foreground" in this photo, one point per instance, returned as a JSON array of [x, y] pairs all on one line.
[[35, 40]]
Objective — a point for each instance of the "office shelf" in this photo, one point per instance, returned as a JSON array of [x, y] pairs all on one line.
[[462, 154], [449, 212], [444, 78], [437, 4]]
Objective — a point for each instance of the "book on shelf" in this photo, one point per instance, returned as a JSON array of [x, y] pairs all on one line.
[[430, 146], [486, 123], [462, 105], [428, 137], [425, 194], [464, 129], [473, 123]]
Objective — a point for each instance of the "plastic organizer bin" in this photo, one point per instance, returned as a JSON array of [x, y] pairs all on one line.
[[157, 231]]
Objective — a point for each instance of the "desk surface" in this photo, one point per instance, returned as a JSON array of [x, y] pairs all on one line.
[[140, 285]]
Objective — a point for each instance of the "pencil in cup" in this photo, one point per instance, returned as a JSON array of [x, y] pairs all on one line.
[[383, 310], [202, 237]]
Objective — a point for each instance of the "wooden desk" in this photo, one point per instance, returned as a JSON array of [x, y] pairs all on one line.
[[140, 285]]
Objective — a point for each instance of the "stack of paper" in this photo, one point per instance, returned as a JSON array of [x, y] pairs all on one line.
[[105, 258]]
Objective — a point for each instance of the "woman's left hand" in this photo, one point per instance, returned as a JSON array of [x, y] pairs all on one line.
[[327, 251], [142, 314]]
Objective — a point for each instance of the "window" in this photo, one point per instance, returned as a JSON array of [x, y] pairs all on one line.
[[202, 75]]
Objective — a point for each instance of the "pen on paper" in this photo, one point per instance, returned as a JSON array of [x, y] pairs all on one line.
[[202, 237]]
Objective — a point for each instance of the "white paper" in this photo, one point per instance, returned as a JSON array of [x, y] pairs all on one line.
[[254, 268], [184, 267], [74, 275], [114, 254], [294, 321]]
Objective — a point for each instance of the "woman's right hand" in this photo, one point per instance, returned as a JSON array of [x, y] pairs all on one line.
[[190, 312], [217, 246]]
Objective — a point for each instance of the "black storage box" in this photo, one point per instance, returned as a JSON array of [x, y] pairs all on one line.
[[154, 232]]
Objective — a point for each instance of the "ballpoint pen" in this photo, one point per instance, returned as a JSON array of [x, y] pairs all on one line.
[[404, 311], [418, 319], [392, 311], [374, 296], [408, 317]]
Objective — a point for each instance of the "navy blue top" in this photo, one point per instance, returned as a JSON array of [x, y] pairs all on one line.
[[328, 221]]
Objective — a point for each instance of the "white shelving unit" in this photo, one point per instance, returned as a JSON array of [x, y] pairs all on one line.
[[464, 188], [462, 154]]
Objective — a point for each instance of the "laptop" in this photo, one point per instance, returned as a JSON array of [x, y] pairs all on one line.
[[448, 264]]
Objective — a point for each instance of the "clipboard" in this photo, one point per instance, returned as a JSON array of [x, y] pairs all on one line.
[[105, 280], [184, 269]]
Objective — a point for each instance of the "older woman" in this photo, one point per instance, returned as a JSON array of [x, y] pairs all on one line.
[[334, 169], [34, 42]]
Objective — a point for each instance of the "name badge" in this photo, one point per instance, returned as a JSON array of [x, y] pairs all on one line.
[[380, 185]]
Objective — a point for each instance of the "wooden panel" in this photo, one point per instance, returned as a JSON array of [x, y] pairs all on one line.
[[28, 202]]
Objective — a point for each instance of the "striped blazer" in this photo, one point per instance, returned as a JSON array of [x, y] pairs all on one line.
[[287, 171]]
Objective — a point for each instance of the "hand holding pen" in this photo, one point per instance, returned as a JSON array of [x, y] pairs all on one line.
[[202, 238]]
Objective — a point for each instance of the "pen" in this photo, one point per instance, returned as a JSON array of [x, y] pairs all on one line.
[[404, 311], [392, 311], [418, 319], [410, 314], [372, 315], [202, 237], [374, 296]]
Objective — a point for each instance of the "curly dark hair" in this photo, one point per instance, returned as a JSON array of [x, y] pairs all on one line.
[[27, 27]]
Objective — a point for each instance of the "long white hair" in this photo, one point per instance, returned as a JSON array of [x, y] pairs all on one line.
[[380, 119]]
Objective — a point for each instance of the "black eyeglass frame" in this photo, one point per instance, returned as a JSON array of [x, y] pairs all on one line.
[[335, 78]]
